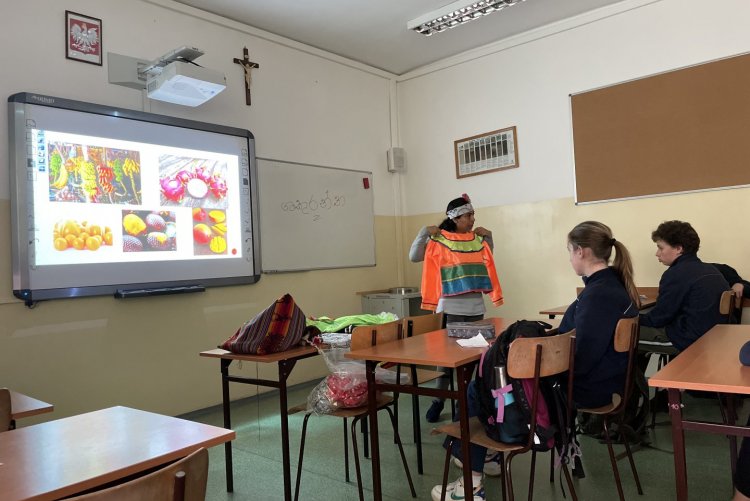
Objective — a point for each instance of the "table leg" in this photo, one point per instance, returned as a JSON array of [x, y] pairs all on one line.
[[463, 374], [227, 421], [678, 441], [731, 421], [372, 409], [285, 368]]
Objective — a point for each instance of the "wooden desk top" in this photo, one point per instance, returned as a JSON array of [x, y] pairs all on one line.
[[298, 352], [647, 302], [710, 364], [59, 458], [22, 406], [432, 348]]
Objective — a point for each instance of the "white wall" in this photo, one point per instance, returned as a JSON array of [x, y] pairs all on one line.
[[526, 81], [308, 106]]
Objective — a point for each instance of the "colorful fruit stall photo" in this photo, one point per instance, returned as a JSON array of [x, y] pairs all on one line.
[[192, 182], [93, 174]]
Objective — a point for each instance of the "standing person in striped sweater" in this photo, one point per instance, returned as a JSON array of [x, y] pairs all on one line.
[[458, 269]]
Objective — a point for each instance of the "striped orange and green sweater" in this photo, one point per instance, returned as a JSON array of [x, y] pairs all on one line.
[[457, 263]]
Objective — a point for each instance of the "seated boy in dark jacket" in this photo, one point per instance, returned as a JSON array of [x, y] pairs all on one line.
[[689, 291]]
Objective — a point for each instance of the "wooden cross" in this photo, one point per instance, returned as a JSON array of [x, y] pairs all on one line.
[[247, 65]]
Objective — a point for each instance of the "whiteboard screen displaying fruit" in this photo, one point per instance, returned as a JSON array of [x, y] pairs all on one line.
[[107, 199]]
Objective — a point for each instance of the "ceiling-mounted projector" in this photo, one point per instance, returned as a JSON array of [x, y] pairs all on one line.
[[185, 83], [173, 77]]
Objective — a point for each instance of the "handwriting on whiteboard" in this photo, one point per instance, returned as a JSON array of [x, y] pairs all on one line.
[[315, 205]]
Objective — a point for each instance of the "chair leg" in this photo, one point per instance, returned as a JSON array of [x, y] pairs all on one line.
[[346, 451], [632, 464], [532, 469], [396, 394], [569, 481], [452, 387], [612, 459], [416, 421], [397, 439], [447, 466], [729, 416], [503, 485], [552, 465], [509, 476], [365, 426], [356, 459], [301, 455]]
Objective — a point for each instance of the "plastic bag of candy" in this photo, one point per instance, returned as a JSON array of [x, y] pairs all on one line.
[[346, 385]]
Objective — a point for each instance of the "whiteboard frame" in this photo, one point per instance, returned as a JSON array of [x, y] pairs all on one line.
[[260, 217]]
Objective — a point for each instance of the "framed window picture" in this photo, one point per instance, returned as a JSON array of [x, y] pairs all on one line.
[[83, 38], [488, 152]]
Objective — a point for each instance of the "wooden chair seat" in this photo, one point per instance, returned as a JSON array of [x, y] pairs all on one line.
[[605, 409], [423, 375], [478, 436], [383, 400]]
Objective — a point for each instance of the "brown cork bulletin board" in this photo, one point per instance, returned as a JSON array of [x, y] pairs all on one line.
[[680, 131]]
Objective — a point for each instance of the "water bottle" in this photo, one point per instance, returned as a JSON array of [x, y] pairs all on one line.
[[502, 378]]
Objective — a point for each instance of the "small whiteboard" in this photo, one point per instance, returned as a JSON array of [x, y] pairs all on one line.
[[314, 217]]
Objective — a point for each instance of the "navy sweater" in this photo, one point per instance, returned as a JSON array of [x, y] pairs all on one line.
[[599, 369], [688, 302]]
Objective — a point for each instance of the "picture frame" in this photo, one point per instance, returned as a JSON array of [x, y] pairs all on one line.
[[488, 152], [83, 38]]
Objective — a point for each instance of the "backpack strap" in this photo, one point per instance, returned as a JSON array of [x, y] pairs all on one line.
[[499, 394], [481, 362]]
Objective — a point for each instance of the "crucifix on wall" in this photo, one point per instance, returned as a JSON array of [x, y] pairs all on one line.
[[247, 66]]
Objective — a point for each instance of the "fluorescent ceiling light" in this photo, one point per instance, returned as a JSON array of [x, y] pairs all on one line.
[[456, 13]]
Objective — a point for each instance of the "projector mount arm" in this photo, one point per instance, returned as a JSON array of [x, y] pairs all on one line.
[[185, 54]]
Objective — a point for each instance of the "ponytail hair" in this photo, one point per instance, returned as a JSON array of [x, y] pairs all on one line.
[[598, 237]]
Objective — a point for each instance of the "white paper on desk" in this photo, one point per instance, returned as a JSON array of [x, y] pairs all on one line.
[[477, 341]]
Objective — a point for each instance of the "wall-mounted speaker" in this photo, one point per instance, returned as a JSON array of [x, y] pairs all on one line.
[[396, 159]]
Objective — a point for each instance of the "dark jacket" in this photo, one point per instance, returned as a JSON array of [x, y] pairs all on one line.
[[688, 302], [599, 369], [732, 277]]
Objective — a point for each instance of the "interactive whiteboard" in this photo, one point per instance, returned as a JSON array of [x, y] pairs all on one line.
[[314, 217]]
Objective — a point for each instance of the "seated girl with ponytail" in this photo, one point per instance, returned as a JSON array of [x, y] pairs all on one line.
[[609, 295]]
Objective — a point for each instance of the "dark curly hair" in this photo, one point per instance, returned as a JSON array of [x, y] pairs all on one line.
[[678, 233]]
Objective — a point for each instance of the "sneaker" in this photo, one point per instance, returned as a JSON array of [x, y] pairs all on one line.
[[433, 413], [493, 464], [455, 492]]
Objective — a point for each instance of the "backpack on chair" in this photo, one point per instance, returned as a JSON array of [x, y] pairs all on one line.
[[511, 424]]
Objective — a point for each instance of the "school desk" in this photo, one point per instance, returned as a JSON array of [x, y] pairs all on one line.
[[285, 361], [648, 299], [22, 406], [68, 456], [432, 348], [709, 364]]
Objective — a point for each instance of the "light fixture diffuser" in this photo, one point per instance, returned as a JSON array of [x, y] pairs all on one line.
[[456, 13]]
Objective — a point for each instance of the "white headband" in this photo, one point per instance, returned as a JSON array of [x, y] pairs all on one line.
[[460, 211]]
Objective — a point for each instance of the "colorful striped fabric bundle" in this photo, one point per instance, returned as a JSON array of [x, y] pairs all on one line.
[[278, 328]]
